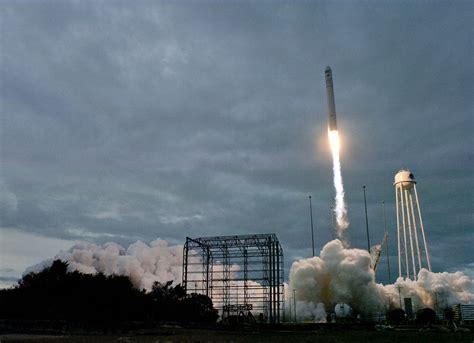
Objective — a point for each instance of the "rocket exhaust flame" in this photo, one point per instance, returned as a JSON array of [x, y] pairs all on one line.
[[340, 207]]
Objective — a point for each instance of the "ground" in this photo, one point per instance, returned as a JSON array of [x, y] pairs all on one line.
[[187, 335]]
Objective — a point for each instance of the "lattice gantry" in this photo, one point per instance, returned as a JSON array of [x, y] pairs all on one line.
[[239, 273]]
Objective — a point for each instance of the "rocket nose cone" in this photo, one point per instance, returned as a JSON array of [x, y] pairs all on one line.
[[328, 69]]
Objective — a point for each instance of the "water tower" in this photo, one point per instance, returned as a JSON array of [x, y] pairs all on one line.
[[409, 224]]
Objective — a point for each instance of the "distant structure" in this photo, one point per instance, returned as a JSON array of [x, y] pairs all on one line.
[[409, 223], [243, 275]]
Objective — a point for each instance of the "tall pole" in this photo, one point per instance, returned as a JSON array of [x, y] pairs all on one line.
[[312, 229], [294, 302], [386, 241], [366, 221]]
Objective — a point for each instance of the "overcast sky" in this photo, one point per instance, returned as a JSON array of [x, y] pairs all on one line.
[[125, 121]]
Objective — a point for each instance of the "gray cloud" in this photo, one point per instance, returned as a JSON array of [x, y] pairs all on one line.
[[168, 120]]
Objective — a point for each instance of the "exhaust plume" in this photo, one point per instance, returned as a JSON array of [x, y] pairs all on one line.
[[344, 275], [338, 275], [340, 208]]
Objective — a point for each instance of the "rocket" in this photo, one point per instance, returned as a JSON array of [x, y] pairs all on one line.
[[332, 126]]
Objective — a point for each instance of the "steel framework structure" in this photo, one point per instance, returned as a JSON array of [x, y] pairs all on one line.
[[239, 273]]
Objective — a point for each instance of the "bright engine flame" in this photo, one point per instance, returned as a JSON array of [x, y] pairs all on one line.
[[340, 207]]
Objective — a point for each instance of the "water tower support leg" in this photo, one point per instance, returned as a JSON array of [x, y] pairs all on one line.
[[422, 229], [416, 231], [398, 235], [404, 234], [411, 236]]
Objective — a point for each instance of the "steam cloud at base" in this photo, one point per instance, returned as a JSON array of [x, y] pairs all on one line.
[[338, 275], [344, 275], [142, 263]]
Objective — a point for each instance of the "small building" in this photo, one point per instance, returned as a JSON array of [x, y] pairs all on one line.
[[464, 313]]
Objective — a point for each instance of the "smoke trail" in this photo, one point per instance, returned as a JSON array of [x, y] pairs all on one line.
[[340, 207]]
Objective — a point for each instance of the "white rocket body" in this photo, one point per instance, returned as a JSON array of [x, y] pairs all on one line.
[[332, 125]]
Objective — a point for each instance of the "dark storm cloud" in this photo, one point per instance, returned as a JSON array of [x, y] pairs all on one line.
[[162, 119]]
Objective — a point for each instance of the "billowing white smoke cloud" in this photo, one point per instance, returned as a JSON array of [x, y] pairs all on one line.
[[445, 289], [143, 263], [310, 310], [338, 275], [344, 275]]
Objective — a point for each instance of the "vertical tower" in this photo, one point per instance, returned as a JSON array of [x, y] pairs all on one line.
[[409, 224]]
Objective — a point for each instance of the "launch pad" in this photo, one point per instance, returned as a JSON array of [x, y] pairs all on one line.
[[241, 274]]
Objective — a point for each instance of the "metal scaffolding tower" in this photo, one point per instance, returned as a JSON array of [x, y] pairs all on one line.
[[241, 274]]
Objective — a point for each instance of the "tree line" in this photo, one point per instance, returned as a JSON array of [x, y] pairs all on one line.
[[101, 300]]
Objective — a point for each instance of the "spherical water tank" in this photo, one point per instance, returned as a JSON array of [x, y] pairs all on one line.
[[404, 179], [342, 310]]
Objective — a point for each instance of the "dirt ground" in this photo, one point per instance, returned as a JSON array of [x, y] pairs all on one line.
[[276, 336]]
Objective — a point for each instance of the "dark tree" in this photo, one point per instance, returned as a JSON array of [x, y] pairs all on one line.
[[99, 300], [172, 302]]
